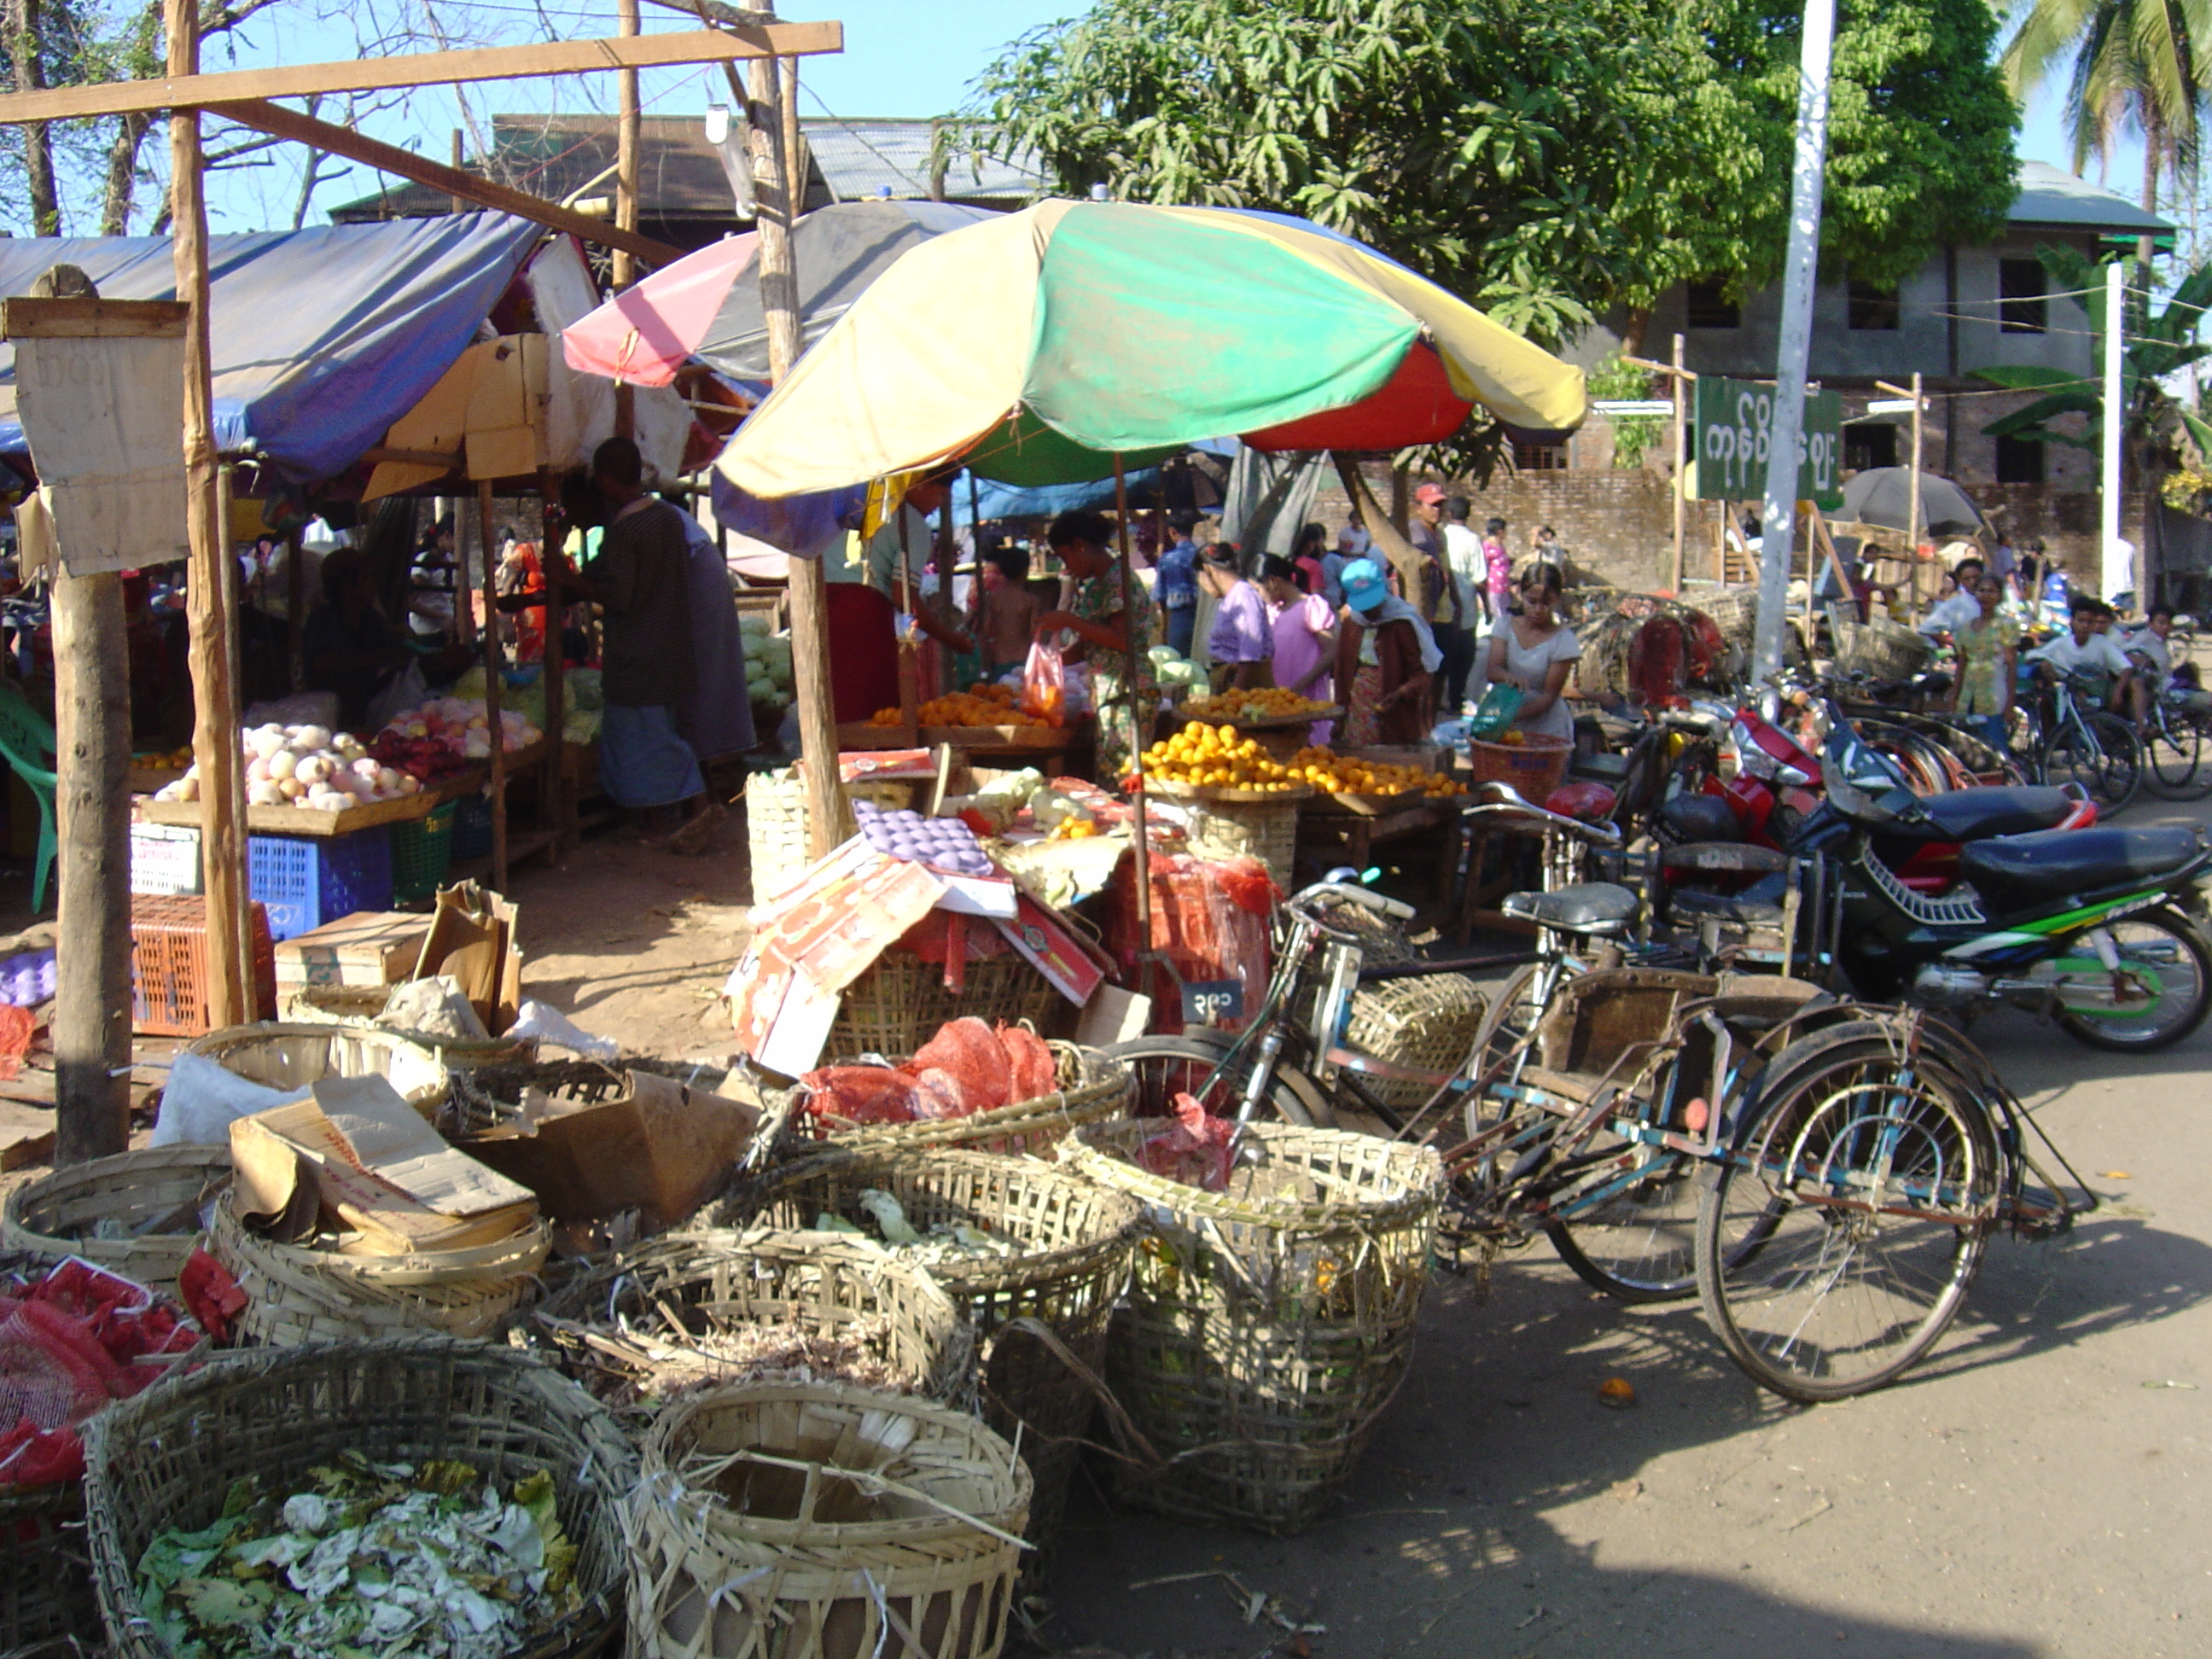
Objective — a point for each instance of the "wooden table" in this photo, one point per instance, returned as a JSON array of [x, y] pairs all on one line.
[[1356, 834]]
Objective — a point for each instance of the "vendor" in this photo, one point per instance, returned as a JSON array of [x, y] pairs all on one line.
[[1305, 630], [1385, 654], [1239, 642], [1109, 635], [717, 718], [349, 648], [642, 581], [1535, 652], [1010, 611]]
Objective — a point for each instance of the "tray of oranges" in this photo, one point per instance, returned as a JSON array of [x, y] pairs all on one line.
[[1219, 762], [1366, 787], [1259, 710], [982, 717]]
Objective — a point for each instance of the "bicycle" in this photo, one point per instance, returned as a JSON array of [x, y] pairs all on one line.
[[2173, 745], [2093, 748]]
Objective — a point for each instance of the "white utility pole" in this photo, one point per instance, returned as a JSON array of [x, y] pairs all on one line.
[[2119, 562], [1786, 431]]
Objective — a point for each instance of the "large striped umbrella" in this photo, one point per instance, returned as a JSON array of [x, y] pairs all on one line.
[[1038, 347]]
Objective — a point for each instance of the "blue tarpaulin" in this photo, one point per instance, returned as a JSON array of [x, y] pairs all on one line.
[[321, 338]]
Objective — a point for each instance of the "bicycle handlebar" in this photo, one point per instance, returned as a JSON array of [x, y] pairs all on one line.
[[1382, 906], [1514, 805]]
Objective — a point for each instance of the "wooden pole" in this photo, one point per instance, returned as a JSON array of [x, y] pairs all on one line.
[[491, 655], [1141, 850], [628, 130], [1678, 471], [242, 917], [1912, 484], [553, 524], [809, 596], [215, 731]]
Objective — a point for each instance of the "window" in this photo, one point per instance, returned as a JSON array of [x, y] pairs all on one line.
[[2021, 309], [1870, 443], [2020, 460], [1872, 307], [1709, 306], [1539, 457]]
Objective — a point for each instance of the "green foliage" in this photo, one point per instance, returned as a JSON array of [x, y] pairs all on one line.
[[1632, 435], [2131, 66]]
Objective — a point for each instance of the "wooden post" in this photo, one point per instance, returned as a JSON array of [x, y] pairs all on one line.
[[628, 130], [1912, 510], [554, 815], [215, 731], [491, 655], [242, 917], [1678, 471], [810, 632], [1140, 848]]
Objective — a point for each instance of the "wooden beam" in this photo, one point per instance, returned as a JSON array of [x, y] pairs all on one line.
[[417, 69], [264, 116], [630, 141], [78, 319]]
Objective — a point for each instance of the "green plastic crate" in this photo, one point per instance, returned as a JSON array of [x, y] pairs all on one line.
[[421, 850]]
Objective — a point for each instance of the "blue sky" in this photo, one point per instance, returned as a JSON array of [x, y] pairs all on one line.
[[901, 58]]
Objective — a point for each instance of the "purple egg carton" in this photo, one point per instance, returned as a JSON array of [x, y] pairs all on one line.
[[943, 843], [28, 980]]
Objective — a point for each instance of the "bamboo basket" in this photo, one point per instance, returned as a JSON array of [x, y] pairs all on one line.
[[1264, 829], [46, 1575], [359, 1005], [156, 1195], [1076, 1239], [1881, 650], [484, 1097], [1267, 1327], [1093, 1089], [1428, 1023], [297, 1295], [169, 1457], [823, 1522], [293, 1056], [827, 1284], [1533, 766], [776, 822], [897, 1004]]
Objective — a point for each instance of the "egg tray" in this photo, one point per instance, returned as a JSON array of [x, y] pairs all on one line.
[[942, 843]]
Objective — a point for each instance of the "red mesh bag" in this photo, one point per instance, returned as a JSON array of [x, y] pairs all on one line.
[[1656, 659], [1591, 803], [211, 1293], [17, 1027], [859, 1094], [1247, 885], [1193, 1150], [938, 1094], [970, 1057], [1031, 1071]]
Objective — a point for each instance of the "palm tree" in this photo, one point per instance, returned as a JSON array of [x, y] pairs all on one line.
[[2131, 66]]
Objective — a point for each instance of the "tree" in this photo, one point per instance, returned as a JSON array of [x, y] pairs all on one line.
[[1546, 159]]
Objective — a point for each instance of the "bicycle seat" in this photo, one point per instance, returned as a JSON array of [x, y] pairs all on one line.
[[1589, 907], [1962, 815], [2017, 869], [1743, 909]]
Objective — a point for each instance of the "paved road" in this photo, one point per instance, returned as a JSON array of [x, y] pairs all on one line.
[[2034, 1489]]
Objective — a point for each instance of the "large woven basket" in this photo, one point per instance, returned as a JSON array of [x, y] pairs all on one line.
[[1881, 650], [1266, 831], [898, 1005], [776, 822], [1533, 766], [154, 1197], [1427, 1022], [1266, 1327], [169, 1457], [1075, 1237], [823, 1522], [486, 1096], [1093, 1089], [293, 1056], [296, 1296], [360, 1005], [714, 1279], [46, 1574]]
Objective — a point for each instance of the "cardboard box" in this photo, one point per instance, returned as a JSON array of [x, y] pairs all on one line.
[[370, 947], [471, 937]]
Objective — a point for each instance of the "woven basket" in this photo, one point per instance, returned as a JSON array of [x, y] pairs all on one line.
[[360, 1004], [823, 1522], [898, 1003], [294, 1056], [1533, 766], [1076, 1237], [45, 1575], [486, 1096], [823, 1283], [1093, 1089], [297, 1295], [169, 1457], [776, 822], [1427, 1022], [162, 1186], [1267, 1327], [1266, 831], [1881, 650]]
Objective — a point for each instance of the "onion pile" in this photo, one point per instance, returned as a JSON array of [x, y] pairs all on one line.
[[309, 766]]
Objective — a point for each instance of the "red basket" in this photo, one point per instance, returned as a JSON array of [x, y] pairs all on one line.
[[169, 967], [1535, 766]]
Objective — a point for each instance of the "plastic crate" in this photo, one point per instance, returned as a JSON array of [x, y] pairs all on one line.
[[165, 860], [306, 881], [472, 827], [169, 966], [421, 851]]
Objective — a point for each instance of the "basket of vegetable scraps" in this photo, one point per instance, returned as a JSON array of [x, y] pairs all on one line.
[[416, 1494]]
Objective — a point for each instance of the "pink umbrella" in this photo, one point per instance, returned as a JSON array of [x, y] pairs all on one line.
[[646, 333]]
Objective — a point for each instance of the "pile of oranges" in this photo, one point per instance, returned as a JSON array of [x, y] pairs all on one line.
[[980, 705], [1272, 703], [1219, 756], [1348, 775]]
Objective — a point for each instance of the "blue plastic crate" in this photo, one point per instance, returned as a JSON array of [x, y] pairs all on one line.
[[306, 881], [472, 828]]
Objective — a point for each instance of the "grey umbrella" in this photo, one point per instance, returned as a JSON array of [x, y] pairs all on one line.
[[1882, 494], [839, 250]]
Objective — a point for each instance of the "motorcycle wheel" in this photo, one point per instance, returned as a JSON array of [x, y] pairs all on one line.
[[2173, 949]]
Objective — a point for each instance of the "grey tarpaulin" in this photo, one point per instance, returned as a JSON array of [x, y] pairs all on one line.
[[1269, 498]]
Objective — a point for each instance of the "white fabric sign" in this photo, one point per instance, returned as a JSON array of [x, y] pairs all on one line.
[[102, 416]]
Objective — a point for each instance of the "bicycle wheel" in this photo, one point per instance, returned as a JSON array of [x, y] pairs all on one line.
[[1636, 1238], [1506, 1026], [1165, 1067], [2167, 990], [2120, 768], [1836, 1245], [2173, 752]]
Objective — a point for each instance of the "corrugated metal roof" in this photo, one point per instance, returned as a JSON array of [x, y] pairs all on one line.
[[2050, 197]]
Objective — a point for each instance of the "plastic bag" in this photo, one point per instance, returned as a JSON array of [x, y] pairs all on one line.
[[859, 1094], [202, 1099], [535, 1019], [972, 1060], [1044, 683], [1194, 1150]]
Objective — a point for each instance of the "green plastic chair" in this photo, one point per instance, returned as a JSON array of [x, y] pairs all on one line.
[[25, 740]]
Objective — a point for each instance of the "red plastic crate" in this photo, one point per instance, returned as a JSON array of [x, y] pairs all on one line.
[[169, 966]]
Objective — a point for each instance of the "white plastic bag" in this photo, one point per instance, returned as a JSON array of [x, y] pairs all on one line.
[[550, 1025], [203, 1099]]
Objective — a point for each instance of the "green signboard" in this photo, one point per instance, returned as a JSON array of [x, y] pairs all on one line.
[[1730, 442]]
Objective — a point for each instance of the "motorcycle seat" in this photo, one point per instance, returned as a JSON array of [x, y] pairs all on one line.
[[1962, 815], [1589, 907], [1740, 909], [2014, 869]]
